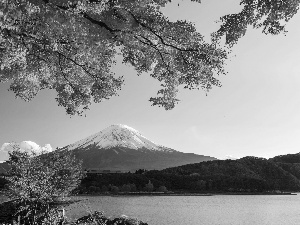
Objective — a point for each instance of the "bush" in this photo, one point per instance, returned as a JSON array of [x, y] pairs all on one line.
[[149, 187], [162, 189], [114, 189], [126, 188], [13, 211], [7, 210], [97, 218], [53, 217]]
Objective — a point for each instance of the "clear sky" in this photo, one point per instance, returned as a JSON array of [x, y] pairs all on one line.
[[255, 113]]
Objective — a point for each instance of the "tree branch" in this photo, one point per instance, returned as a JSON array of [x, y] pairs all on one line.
[[157, 35], [155, 47], [85, 15]]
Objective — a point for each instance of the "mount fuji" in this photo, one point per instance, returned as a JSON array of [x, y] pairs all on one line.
[[120, 147]]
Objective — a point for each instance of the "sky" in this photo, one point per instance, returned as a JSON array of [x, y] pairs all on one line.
[[256, 112]]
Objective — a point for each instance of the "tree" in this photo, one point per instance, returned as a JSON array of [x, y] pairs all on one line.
[[133, 188], [271, 16], [149, 187], [104, 188], [162, 189], [70, 46], [125, 188], [200, 185], [114, 189], [36, 181]]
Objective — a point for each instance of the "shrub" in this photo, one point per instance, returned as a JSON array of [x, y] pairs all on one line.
[[97, 218]]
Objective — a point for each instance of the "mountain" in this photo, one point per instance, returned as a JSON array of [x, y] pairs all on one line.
[[120, 147]]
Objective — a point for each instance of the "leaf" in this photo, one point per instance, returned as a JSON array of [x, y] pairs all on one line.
[[71, 47]]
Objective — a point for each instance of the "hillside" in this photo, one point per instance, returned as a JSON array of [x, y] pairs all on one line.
[[246, 173], [249, 174]]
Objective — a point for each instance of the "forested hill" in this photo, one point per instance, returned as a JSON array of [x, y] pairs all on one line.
[[289, 158], [248, 174], [278, 173]]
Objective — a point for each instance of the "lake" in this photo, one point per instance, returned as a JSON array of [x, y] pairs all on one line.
[[196, 210]]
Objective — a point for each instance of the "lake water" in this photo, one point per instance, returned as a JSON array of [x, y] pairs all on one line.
[[196, 210]]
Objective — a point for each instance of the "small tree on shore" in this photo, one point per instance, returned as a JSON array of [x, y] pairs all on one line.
[[114, 189], [162, 189], [126, 188], [149, 187], [37, 180]]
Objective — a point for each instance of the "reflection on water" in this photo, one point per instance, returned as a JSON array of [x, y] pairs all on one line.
[[206, 210]]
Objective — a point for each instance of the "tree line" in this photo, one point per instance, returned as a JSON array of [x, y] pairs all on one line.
[[248, 174], [119, 183]]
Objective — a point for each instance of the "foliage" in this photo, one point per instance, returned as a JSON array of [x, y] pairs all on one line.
[[162, 189], [289, 158], [3, 183], [114, 189], [127, 182], [98, 218], [71, 47], [270, 16], [149, 187], [44, 176], [36, 181], [140, 171], [53, 218], [249, 174], [126, 188], [7, 210]]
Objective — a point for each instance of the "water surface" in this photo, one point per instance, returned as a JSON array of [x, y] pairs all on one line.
[[206, 210]]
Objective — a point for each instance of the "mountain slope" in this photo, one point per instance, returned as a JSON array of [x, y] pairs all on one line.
[[246, 173], [120, 147], [289, 158]]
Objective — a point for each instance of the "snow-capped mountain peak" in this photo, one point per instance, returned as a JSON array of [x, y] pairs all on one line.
[[123, 148], [118, 135]]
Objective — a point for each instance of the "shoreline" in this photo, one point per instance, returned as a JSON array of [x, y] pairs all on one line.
[[146, 194], [184, 194], [258, 193], [70, 201]]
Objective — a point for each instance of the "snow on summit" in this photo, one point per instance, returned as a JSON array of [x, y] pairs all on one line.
[[118, 135]]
